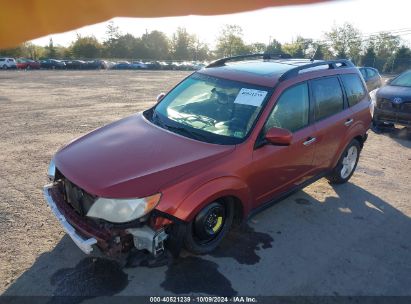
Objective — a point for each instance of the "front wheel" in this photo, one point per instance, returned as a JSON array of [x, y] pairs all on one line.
[[346, 165], [206, 231]]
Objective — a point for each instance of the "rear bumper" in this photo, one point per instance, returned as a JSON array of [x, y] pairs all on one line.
[[388, 116], [85, 244]]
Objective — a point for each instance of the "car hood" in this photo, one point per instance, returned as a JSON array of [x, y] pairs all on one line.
[[133, 158], [390, 92]]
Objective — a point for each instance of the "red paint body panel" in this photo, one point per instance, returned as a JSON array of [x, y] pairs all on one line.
[[134, 158]]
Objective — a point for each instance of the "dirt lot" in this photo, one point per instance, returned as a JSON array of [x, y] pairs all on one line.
[[353, 239]]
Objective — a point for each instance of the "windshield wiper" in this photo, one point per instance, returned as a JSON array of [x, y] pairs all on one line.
[[191, 134], [179, 130]]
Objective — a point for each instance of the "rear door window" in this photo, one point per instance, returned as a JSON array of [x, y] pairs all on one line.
[[353, 88], [371, 73], [364, 73], [328, 97]]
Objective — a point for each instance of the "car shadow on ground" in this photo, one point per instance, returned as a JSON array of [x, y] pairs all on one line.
[[401, 135], [350, 243]]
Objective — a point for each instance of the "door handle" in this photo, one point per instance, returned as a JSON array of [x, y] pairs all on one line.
[[309, 141], [349, 122]]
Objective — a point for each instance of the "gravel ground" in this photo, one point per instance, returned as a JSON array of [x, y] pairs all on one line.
[[352, 239]]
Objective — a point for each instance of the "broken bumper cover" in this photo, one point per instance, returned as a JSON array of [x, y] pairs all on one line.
[[109, 241], [86, 245]]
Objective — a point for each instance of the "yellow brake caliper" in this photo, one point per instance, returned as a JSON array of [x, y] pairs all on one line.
[[218, 224]]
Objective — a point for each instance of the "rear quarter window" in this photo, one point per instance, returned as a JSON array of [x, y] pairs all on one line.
[[354, 88], [328, 97]]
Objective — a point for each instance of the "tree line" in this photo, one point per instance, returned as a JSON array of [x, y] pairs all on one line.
[[385, 51]]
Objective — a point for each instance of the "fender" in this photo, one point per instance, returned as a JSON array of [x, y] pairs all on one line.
[[358, 129], [211, 191]]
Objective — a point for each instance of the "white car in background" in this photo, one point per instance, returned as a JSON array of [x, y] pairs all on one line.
[[7, 63]]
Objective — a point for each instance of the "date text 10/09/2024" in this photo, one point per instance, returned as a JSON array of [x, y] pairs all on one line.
[[203, 299]]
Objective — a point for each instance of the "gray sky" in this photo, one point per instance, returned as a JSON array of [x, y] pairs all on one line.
[[281, 23]]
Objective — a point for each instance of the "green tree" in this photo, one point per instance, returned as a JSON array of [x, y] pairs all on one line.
[[12, 52], [345, 41], [257, 47], [299, 48], [155, 45], [230, 41], [125, 46], [369, 58], [385, 46], [86, 47], [200, 50], [32, 51], [320, 51], [50, 51], [274, 47], [112, 31], [401, 60], [182, 45], [112, 36]]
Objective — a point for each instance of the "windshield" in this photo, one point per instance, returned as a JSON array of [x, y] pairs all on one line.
[[404, 80], [220, 110]]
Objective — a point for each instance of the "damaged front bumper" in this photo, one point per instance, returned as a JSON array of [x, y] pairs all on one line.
[[86, 245], [112, 241]]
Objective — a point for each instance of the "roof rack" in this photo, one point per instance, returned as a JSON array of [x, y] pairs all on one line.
[[265, 56], [332, 64]]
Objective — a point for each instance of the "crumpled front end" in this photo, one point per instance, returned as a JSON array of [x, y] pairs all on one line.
[[70, 204]]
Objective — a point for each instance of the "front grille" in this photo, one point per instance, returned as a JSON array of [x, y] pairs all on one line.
[[76, 197], [385, 104]]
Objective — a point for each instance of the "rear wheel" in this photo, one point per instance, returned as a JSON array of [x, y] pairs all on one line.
[[346, 165], [206, 231]]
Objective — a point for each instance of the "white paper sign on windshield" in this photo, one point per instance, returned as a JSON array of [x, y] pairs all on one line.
[[250, 97]]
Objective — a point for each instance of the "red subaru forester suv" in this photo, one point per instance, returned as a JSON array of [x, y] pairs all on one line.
[[227, 141]]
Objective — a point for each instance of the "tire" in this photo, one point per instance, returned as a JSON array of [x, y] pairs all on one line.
[[4, 67], [206, 231], [346, 164]]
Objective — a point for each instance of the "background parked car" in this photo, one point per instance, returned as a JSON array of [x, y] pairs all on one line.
[[27, 64], [372, 78], [153, 65], [122, 65], [74, 64], [52, 64], [8, 63], [393, 104], [136, 65]]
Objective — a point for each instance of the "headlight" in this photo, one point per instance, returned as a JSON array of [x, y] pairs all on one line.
[[51, 173], [123, 210]]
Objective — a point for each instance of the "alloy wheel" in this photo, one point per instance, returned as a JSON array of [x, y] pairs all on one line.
[[349, 162]]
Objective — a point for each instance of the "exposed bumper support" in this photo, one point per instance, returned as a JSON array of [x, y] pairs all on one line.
[[147, 238], [86, 245]]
